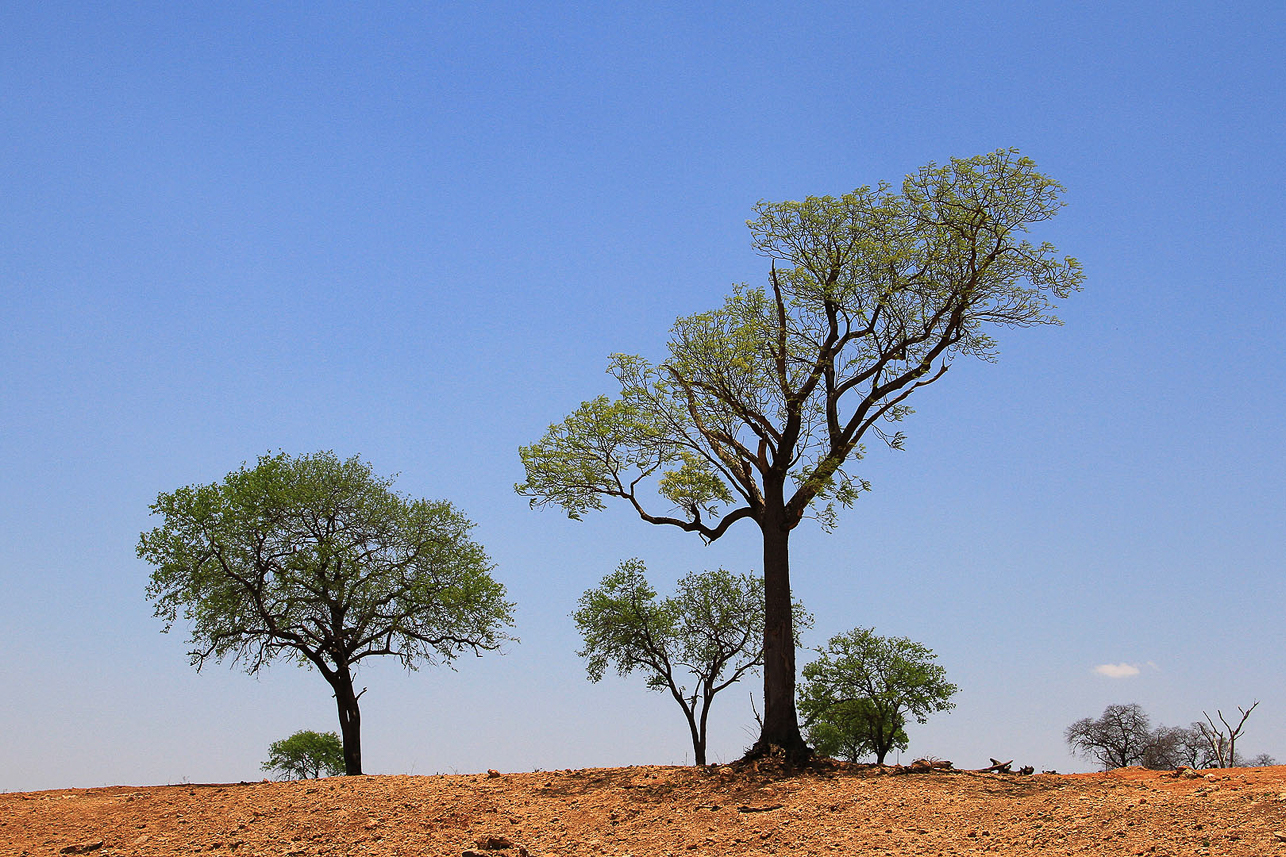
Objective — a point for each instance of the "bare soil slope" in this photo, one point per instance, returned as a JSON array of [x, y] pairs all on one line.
[[653, 811]]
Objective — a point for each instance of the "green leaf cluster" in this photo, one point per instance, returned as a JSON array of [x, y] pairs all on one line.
[[692, 644], [857, 696], [761, 403], [317, 559], [712, 624], [306, 754], [849, 729]]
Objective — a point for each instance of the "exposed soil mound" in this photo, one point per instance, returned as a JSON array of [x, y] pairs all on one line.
[[654, 811]]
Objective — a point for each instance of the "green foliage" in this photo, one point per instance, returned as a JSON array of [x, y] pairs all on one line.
[[692, 644], [693, 488], [871, 295], [762, 403], [306, 754], [846, 730], [318, 559], [856, 697]]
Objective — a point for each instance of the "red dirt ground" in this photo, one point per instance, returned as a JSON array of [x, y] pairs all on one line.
[[655, 811]]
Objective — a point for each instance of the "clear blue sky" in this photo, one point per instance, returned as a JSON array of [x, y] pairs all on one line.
[[416, 231]]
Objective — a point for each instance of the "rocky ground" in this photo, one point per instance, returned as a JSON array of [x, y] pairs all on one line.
[[656, 811]]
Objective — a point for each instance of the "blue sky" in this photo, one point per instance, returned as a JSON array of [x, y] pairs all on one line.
[[415, 232]]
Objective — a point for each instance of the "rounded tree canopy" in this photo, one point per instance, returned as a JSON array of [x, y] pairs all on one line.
[[306, 754], [859, 694], [319, 559]]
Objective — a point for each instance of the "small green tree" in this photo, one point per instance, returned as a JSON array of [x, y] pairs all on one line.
[[711, 629], [306, 754], [857, 696], [318, 560], [846, 730]]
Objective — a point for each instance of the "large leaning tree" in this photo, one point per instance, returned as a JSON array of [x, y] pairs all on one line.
[[319, 561], [761, 403]]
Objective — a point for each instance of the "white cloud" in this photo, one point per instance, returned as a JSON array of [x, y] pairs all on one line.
[[1117, 670]]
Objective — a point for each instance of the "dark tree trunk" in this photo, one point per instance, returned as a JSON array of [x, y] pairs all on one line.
[[883, 736], [781, 722], [698, 735], [350, 721]]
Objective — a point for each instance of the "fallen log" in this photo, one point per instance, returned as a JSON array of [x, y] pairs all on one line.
[[997, 767], [925, 765]]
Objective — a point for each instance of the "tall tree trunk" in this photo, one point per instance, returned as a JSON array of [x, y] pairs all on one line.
[[350, 721], [780, 722]]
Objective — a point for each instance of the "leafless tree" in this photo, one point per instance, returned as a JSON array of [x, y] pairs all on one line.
[[1116, 739], [1222, 743], [1171, 747]]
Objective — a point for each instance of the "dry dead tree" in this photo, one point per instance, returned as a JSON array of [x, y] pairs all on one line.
[[1223, 744]]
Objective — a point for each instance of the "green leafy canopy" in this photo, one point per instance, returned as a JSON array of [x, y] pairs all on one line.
[[318, 559], [712, 625], [693, 644], [306, 754], [859, 693], [870, 296], [854, 729]]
